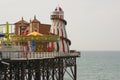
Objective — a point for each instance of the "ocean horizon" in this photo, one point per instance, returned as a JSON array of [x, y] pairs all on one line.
[[98, 65]]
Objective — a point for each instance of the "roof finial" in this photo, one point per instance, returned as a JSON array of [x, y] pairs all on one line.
[[22, 18], [34, 16], [30, 21], [58, 8]]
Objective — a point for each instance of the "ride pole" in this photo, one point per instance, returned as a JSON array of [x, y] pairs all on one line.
[[7, 34]]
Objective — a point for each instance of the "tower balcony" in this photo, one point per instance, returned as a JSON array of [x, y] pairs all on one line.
[[58, 13], [58, 17]]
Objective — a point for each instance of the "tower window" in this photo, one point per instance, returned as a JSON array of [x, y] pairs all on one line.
[[23, 27]]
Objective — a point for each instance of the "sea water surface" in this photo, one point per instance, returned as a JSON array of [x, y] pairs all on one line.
[[98, 65]]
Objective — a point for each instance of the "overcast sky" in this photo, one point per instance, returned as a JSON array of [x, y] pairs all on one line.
[[92, 24]]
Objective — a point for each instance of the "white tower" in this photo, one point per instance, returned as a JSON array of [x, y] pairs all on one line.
[[58, 28]]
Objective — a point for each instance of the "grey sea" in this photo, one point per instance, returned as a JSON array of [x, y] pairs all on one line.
[[98, 65]]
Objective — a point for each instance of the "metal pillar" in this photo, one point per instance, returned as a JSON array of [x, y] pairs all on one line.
[[60, 68], [39, 69]]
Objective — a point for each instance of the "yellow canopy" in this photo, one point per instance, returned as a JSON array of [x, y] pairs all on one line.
[[35, 34]]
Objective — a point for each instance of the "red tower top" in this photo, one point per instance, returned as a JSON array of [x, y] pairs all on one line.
[[58, 14], [58, 9]]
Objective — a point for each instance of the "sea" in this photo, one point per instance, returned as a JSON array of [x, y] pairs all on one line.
[[98, 65]]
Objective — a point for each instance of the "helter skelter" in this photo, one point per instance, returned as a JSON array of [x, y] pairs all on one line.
[[38, 51]]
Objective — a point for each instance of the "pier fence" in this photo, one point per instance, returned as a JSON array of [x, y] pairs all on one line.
[[34, 55]]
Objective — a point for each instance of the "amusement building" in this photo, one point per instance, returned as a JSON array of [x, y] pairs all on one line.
[[37, 51]]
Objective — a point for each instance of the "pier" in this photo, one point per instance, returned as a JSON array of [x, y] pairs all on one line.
[[38, 65], [37, 51]]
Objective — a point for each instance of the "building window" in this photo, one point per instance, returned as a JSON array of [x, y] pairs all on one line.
[[23, 27]]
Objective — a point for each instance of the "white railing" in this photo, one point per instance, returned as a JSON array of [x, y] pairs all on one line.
[[34, 55], [10, 48]]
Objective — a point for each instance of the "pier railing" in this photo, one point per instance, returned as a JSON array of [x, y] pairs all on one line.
[[17, 55]]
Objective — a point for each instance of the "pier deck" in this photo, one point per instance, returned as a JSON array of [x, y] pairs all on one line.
[[38, 65], [19, 55]]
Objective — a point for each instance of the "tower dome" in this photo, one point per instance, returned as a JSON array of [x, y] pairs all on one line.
[[22, 21], [35, 20], [58, 13], [58, 9]]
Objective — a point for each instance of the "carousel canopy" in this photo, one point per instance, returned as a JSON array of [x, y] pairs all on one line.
[[36, 37], [35, 34]]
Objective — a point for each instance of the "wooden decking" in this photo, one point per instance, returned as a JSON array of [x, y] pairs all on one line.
[[18, 55]]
